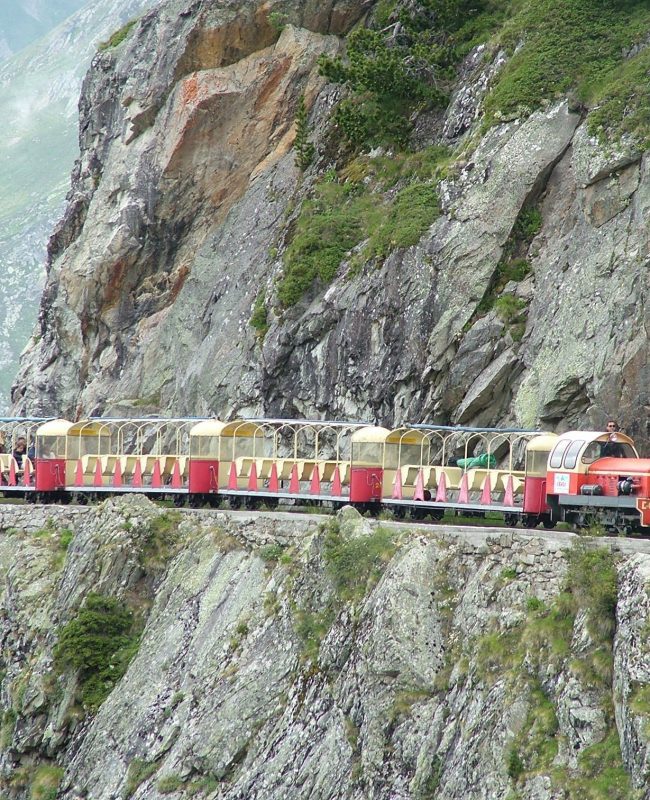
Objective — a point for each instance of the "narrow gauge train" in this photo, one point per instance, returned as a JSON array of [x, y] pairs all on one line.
[[423, 470]]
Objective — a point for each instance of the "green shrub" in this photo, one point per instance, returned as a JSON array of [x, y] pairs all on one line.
[[623, 104], [593, 582], [414, 210], [7, 728], [566, 44], [312, 627], [118, 37], [45, 783], [355, 565], [161, 540], [169, 784], [260, 318], [138, 772], [271, 552], [509, 308], [304, 148], [535, 604], [99, 642], [515, 764], [330, 224], [65, 537], [278, 20], [389, 77], [341, 215], [528, 224]]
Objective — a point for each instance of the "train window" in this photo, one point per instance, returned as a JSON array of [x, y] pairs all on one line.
[[558, 453], [50, 446], [366, 453], [591, 453], [204, 446], [571, 456], [536, 463]]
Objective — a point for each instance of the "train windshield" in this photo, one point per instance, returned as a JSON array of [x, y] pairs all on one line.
[[50, 446], [536, 463]]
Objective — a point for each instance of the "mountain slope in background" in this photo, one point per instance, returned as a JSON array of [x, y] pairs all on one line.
[[39, 90], [24, 21]]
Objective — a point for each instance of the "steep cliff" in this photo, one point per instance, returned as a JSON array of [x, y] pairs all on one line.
[[523, 300], [296, 657]]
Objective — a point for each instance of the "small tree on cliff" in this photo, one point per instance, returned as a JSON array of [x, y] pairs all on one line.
[[304, 148]]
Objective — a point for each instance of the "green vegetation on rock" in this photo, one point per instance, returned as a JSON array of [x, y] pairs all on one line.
[[45, 782], [622, 104], [384, 203], [402, 64], [542, 646], [161, 540], [354, 565], [304, 148], [260, 317], [118, 37], [563, 46], [138, 772], [100, 642]]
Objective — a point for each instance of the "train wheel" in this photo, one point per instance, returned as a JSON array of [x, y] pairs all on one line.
[[179, 500], [400, 512], [234, 502], [82, 499]]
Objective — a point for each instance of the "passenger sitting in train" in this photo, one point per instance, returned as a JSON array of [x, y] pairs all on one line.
[[19, 451], [612, 448]]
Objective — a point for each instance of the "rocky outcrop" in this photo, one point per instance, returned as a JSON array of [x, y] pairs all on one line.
[[186, 196], [269, 666]]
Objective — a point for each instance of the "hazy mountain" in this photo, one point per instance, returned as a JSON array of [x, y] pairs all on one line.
[[39, 89], [24, 21]]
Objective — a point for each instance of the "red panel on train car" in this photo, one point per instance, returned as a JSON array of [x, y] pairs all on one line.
[[535, 495], [365, 484], [564, 482], [643, 507], [50, 474], [203, 476], [608, 472]]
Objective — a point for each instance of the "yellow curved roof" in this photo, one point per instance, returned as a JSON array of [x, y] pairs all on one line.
[[208, 427], [405, 436], [88, 427], [543, 443], [238, 427], [371, 433], [57, 427]]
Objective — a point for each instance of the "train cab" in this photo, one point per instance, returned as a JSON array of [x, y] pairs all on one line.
[[538, 451], [589, 470], [366, 467], [51, 446], [205, 456], [575, 454]]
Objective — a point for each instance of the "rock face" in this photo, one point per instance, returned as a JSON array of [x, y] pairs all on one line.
[[185, 197], [453, 669]]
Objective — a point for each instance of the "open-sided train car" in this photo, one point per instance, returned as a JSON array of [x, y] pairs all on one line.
[[415, 471]]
